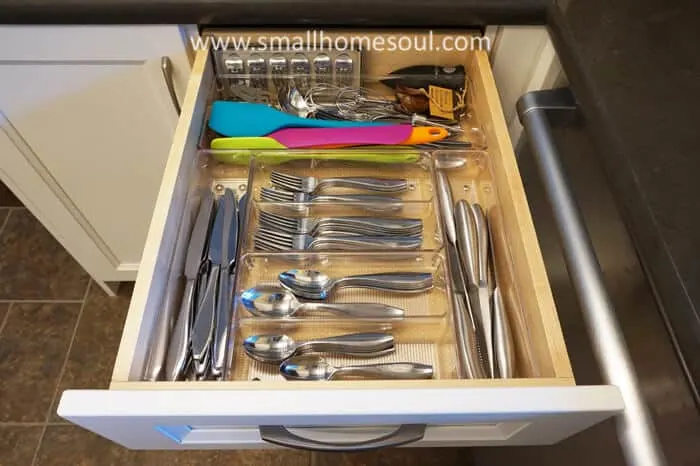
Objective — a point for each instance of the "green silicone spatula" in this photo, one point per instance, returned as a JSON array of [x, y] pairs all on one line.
[[238, 151]]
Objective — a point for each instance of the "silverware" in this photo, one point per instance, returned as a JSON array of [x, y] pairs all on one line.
[[310, 184], [449, 162], [368, 202], [222, 318], [277, 348], [316, 368], [203, 327], [503, 338], [312, 284], [276, 302], [339, 225], [473, 242], [465, 327], [178, 347], [271, 240]]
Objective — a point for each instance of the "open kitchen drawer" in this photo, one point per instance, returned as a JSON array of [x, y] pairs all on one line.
[[542, 405]]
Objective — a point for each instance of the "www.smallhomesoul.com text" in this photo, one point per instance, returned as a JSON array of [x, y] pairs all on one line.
[[317, 40]]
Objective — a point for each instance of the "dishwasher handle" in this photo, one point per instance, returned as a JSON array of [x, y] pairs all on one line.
[[635, 429], [280, 435]]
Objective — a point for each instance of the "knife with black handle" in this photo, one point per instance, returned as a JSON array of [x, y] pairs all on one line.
[[422, 76]]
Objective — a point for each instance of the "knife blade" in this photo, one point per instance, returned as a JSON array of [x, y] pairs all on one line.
[[180, 338], [470, 362], [223, 307], [203, 327]]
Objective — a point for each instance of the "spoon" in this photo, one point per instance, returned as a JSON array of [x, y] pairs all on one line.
[[449, 161], [316, 368], [312, 284], [277, 348], [276, 302]]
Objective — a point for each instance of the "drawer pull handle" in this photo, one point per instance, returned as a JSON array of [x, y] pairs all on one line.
[[635, 431], [280, 435], [166, 66]]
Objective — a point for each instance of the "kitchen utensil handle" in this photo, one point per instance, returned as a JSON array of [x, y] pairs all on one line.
[[357, 310], [222, 323], [354, 243], [397, 281], [466, 240], [364, 223], [280, 435], [166, 66], [502, 338], [635, 429], [472, 367], [385, 185], [392, 371], [203, 326], [446, 206], [482, 241], [351, 343], [180, 337], [368, 202]]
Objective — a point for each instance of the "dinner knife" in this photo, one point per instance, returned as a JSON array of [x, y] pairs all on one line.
[[223, 308], [464, 320], [180, 338], [203, 326]]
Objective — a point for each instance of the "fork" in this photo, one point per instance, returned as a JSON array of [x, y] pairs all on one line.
[[272, 240], [372, 226], [310, 184], [367, 202]]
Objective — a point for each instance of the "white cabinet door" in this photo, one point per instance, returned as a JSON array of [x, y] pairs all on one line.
[[90, 108]]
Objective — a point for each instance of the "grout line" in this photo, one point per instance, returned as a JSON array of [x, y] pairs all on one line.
[[61, 374], [7, 220], [21, 424], [41, 301], [6, 318]]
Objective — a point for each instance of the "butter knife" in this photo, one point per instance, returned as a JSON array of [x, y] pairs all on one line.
[[222, 321], [180, 338]]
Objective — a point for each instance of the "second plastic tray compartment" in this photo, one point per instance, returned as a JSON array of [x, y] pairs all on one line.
[[418, 342], [259, 269]]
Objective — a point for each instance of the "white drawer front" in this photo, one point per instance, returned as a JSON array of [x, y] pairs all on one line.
[[190, 419]]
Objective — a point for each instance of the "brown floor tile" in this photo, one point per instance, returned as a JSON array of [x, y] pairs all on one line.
[[7, 198], [271, 457], [33, 346], [18, 444], [398, 456], [68, 445], [33, 265], [96, 341]]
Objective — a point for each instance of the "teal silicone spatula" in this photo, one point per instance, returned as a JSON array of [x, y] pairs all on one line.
[[241, 119]]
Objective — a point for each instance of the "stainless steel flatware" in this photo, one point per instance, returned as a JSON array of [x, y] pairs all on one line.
[[267, 239], [222, 320], [473, 242], [178, 348], [467, 343], [503, 338], [310, 184], [373, 226], [275, 302], [277, 348], [316, 368], [312, 284], [366, 202]]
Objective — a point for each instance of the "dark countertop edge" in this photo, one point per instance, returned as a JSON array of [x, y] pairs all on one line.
[[674, 303], [279, 13]]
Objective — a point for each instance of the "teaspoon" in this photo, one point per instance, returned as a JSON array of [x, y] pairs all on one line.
[[316, 368]]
